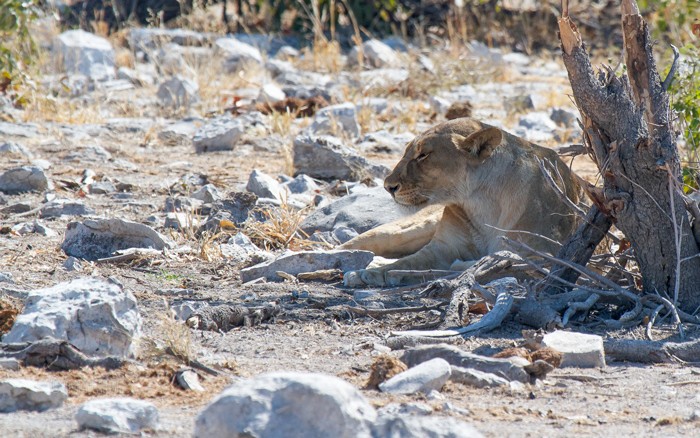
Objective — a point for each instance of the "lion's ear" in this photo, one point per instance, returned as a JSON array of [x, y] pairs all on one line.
[[480, 143]]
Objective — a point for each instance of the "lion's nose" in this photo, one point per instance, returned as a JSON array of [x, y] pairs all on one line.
[[391, 188]]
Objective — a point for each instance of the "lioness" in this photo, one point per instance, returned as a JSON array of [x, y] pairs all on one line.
[[485, 183]]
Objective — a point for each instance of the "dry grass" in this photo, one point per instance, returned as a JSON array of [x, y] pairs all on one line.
[[174, 340], [322, 56], [279, 230]]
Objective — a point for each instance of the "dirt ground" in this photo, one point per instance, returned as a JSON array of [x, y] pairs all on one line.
[[315, 333]]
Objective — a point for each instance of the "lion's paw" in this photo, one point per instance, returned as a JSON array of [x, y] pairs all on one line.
[[364, 277]]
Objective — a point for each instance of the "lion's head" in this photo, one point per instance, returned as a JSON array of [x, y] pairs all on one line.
[[437, 160]]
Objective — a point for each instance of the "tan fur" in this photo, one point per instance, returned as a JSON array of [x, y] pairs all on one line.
[[486, 184]]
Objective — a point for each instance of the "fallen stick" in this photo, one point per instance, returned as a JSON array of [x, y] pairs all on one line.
[[652, 351], [493, 319], [364, 311]]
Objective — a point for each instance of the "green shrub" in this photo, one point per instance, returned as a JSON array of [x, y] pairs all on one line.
[[16, 43]]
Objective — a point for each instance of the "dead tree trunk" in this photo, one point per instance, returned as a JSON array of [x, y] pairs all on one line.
[[627, 130]]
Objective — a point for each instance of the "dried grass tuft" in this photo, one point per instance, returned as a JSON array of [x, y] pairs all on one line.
[[279, 228]]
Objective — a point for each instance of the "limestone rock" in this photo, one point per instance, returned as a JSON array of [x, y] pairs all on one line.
[[578, 349], [236, 53], [81, 52], [98, 317], [308, 261], [178, 92], [336, 119], [424, 377], [360, 211], [265, 186], [325, 157], [376, 54], [290, 405], [30, 395], [24, 179], [406, 426], [65, 207], [117, 415], [96, 239]]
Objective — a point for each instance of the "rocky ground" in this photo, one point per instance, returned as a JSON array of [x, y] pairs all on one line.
[[177, 141]]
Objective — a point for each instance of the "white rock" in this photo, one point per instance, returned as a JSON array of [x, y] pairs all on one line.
[[265, 186], [424, 377], [335, 119], [9, 363], [96, 239], [207, 193], [326, 157], [143, 38], [136, 77], [302, 184], [271, 93], [221, 134], [24, 179], [439, 104], [117, 415], [15, 149], [237, 53], [308, 261], [359, 211], [476, 378], [376, 54], [577, 349], [383, 77], [178, 92], [81, 52], [98, 317], [405, 426], [538, 121], [30, 395], [179, 132], [289, 405], [65, 207]]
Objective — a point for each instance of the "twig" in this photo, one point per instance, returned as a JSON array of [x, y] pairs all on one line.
[[674, 311], [652, 319], [490, 321], [548, 177], [672, 72], [579, 306], [364, 311]]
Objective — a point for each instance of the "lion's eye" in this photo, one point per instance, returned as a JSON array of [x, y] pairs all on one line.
[[422, 156]]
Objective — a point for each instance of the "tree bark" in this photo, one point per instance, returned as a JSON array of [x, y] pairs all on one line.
[[628, 133]]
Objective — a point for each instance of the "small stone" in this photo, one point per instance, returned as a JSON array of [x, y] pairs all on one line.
[[308, 261], [188, 380], [81, 52], [221, 134], [101, 188], [538, 121], [344, 234], [65, 207], [24, 179], [97, 316], [376, 54], [302, 184], [271, 93], [336, 119], [9, 363], [290, 405], [14, 149], [578, 349], [406, 426], [73, 264], [179, 133], [118, 415], [237, 53], [476, 378], [424, 377], [325, 157], [96, 239], [6, 277], [178, 92], [207, 194], [30, 395], [264, 186]]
